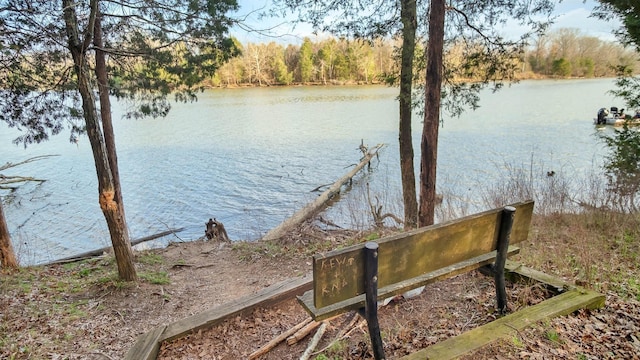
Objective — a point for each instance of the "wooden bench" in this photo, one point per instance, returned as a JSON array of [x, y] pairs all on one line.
[[355, 277]]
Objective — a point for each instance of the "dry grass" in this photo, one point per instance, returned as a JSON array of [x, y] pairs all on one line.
[[598, 250], [575, 233]]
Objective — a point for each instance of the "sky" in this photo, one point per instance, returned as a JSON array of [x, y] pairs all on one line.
[[569, 14], [575, 14]]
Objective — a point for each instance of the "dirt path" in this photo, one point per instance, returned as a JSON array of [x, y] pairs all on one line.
[[77, 311]]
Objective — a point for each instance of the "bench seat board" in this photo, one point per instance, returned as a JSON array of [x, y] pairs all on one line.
[[306, 300], [338, 275], [518, 272]]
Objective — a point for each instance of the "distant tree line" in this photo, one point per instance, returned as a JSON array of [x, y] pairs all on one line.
[[327, 61], [568, 53], [563, 53]]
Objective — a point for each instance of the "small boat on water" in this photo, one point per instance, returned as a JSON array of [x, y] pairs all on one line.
[[616, 117]]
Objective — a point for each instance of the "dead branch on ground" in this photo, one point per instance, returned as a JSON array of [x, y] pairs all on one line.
[[343, 332], [314, 342], [277, 340], [302, 333]]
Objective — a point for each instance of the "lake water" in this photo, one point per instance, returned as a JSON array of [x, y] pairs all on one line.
[[250, 158]]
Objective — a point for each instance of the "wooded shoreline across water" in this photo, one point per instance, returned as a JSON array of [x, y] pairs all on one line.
[[563, 54]]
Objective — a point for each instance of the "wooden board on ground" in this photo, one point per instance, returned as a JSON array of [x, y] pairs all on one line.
[[265, 297], [509, 325], [147, 345]]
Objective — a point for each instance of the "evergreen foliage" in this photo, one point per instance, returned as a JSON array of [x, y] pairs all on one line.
[[154, 48], [622, 167], [561, 67], [629, 13]]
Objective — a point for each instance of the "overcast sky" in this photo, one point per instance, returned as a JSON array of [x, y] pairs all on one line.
[[570, 14]]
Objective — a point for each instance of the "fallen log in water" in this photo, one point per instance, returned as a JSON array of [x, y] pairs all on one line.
[[315, 206], [98, 252]]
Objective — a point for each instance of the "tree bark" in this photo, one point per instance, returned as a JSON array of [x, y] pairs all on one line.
[[7, 256], [105, 111], [107, 193], [429, 146], [409, 23]]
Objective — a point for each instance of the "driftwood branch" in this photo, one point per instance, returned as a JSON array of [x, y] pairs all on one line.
[[328, 222], [318, 204], [155, 236], [277, 340], [320, 187], [98, 252], [5, 180], [314, 342]]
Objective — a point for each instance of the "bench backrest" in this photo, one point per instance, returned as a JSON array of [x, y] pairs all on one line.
[[338, 275]]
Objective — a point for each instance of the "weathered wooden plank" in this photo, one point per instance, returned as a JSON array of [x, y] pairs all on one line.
[[471, 340], [357, 302], [147, 345], [339, 274], [265, 297], [517, 272]]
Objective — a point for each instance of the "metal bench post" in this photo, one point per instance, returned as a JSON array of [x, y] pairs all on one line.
[[506, 222], [371, 293]]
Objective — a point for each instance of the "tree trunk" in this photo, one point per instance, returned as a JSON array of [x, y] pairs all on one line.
[[429, 147], [7, 256], [105, 112], [107, 193], [409, 21]]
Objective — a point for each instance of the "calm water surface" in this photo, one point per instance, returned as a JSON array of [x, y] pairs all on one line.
[[250, 158]]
